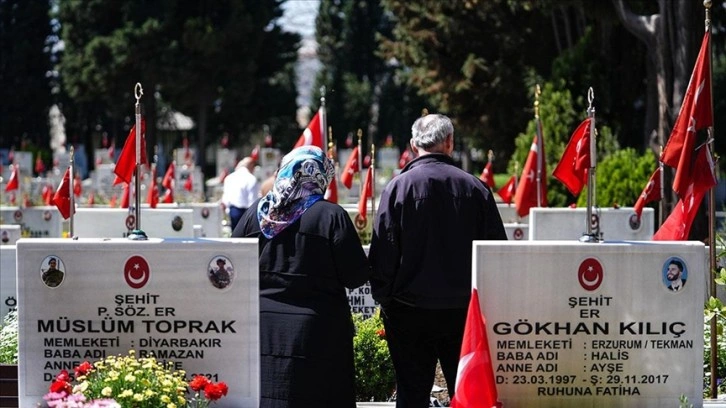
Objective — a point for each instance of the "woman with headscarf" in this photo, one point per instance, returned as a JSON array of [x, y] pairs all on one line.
[[309, 254]]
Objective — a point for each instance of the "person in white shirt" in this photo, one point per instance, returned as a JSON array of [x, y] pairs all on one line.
[[241, 188]]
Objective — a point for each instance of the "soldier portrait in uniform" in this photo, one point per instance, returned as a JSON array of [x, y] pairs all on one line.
[[52, 271], [221, 272]]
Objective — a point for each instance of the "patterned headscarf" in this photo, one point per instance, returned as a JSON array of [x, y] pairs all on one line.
[[301, 181]]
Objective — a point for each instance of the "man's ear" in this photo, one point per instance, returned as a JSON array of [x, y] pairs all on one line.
[[414, 149], [449, 144]]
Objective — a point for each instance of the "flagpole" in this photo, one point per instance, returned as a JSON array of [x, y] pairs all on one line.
[[71, 195], [540, 159], [360, 159], [713, 389], [373, 179], [323, 115], [661, 204], [590, 236], [137, 234]]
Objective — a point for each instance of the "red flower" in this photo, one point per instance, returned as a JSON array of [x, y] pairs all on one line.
[[63, 376], [83, 369], [216, 391], [61, 386], [199, 383], [381, 333]]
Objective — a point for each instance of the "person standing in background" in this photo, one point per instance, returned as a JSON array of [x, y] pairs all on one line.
[[240, 189], [309, 253], [420, 253]]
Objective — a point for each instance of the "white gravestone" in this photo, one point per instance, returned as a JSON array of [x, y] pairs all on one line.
[[155, 297], [508, 212], [9, 234], [208, 215], [118, 222], [516, 231], [35, 222], [574, 324], [8, 294], [609, 224], [360, 299]]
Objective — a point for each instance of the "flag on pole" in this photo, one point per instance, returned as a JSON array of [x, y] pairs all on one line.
[[526, 193], [679, 222], [365, 194], [13, 182], [77, 188], [113, 201], [62, 197], [487, 176], [91, 199], [127, 159], [47, 194], [312, 135], [651, 191], [168, 197], [573, 166], [169, 177], [695, 114], [508, 190], [475, 385], [331, 193], [351, 167], [153, 196], [255, 154], [39, 165], [126, 196], [406, 157], [189, 183]]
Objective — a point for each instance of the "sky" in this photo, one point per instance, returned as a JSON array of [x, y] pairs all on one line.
[[299, 16]]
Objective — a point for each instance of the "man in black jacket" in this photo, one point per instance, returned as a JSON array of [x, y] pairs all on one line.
[[421, 253]]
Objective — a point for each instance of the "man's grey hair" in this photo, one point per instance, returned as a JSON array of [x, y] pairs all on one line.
[[431, 130]]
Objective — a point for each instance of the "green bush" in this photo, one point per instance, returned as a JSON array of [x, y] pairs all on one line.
[[9, 339], [374, 375], [620, 177]]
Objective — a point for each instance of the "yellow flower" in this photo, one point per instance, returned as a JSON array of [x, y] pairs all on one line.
[[126, 394], [165, 399], [171, 405], [182, 400], [130, 378], [106, 391], [138, 397], [80, 388]]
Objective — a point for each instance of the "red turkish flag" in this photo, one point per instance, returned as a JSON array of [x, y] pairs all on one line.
[[39, 165], [188, 183], [91, 199], [365, 195], [47, 194], [331, 193], [13, 182], [255, 155], [169, 176], [508, 190], [153, 197], [695, 114], [113, 201], [679, 222], [406, 157], [351, 167], [573, 166], [62, 197], [127, 159], [168, 197], [312, 135], [475, 385], [526, 193], [126, 196], [487, 176], [77, 187], [651, 191]]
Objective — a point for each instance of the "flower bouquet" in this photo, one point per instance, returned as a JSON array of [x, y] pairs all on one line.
[[128, 382]]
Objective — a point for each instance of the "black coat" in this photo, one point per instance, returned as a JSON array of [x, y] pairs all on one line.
[[421, 247], [306, 331]]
